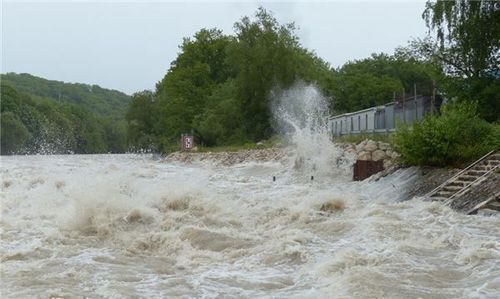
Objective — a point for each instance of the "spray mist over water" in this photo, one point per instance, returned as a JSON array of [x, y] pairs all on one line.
[[300, 114]]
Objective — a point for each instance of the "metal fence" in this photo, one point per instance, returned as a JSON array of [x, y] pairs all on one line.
[[381, 119]]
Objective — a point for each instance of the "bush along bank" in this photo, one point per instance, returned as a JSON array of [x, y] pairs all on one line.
[[455, 137]]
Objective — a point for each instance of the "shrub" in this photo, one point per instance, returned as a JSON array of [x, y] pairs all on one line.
[[456, 136]]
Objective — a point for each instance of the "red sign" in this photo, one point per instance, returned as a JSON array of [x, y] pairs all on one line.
[[187, 142]]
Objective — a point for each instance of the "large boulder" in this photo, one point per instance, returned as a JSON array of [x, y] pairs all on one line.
[[378, 155], [360, 146], [364, 155], [370, 146], [392, 154], [384, 146], [388, 163]]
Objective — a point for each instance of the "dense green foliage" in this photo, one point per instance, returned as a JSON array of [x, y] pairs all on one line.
[[466, 55], [457, 135], [100, 101], [467, 50], [378, 79], [219, 86], [35, 125]]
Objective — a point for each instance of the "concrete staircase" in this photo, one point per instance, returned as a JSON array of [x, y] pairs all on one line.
[[471, 176]]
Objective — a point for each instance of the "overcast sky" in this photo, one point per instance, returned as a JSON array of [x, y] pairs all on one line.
[[128, 45]]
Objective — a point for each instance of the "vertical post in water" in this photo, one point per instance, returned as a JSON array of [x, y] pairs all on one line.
[[433, 98], [415, 115], [404, 112], [394, 110]]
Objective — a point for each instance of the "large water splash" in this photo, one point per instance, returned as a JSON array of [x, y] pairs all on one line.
[[301, 116]]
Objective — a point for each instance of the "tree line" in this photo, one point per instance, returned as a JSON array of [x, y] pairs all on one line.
[[51, 117], [219, 85]]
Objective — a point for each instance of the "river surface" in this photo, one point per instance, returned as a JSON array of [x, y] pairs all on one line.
[[130, 226]]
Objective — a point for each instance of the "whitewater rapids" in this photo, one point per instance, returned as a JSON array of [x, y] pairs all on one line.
[[129, 226]]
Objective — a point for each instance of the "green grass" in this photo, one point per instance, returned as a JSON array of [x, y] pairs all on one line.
[[357, 138]]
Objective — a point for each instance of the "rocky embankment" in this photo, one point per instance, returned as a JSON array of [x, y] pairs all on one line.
[[229, 158], [369, 150], [365, 150]]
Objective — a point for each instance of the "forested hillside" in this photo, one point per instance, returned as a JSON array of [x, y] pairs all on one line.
[[37, 121], [101, 101]]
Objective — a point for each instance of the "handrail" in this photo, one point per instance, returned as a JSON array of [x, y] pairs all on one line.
[[464, 189], [458, 174]]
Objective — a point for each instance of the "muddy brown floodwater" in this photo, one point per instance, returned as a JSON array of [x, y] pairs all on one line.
[[129, 226]]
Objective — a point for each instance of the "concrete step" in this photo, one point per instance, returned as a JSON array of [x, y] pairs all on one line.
[[468, 178], [494, 157], [458, 183], [475, 172], [452, 188], [484, 168], [461, 183]]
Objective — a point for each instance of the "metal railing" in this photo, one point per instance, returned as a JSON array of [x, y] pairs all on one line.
[[459, 174], [473, 183]]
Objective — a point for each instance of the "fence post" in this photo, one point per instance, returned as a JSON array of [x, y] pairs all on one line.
[[433, 98], [404, 112]]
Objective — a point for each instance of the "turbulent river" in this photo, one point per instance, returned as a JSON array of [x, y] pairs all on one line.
[[129, 226]]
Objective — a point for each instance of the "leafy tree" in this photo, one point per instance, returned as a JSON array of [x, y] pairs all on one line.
[[222, 121], [373, 81], [141, 118], [468, 50], [13, 133], [193, 76], [456, 136], [264, 56]]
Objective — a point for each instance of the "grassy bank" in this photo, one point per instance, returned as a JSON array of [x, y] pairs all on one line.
[[357, 138]]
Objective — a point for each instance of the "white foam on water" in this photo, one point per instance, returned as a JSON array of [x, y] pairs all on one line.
[[130, 226], [126, 226]]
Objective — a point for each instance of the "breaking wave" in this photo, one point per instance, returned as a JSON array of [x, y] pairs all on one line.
[[131, 226]]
